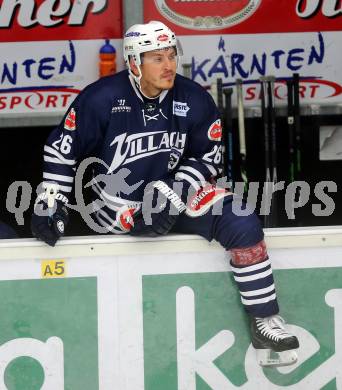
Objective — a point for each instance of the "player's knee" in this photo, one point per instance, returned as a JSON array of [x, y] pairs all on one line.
[[238, 231], [247, 232]]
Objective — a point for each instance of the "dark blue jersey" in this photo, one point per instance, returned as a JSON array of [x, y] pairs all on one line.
[[135, 140], [6, 231]]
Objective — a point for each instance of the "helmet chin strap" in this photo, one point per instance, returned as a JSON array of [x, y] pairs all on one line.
[[137, 80]]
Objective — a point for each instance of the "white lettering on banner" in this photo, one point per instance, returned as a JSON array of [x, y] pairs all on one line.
[[308, 8], [201, 361], [49, 12], [49, 354], [191, 361], [141, 145]]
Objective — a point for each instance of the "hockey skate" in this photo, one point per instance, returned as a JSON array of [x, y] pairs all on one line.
[[275, 347]]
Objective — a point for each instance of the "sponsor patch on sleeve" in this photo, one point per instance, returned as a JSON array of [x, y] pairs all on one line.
[[215, 131], [70, 120]]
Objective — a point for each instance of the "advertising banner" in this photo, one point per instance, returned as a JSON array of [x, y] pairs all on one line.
[[203, 17], [50, 50], [249, 39], [159, 314]]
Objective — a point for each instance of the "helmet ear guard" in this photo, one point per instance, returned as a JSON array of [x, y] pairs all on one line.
[[179, 48]]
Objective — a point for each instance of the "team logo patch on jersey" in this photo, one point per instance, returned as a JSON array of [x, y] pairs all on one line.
[[204, 199], [175, 156], [70, 120], [180, 109], [215, 131]]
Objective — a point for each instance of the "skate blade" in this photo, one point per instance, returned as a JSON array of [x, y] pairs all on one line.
[[269, 358]]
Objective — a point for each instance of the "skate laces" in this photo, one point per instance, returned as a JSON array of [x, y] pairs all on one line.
[[272, 327]]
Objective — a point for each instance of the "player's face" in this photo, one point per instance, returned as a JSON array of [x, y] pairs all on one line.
[[158, 71]]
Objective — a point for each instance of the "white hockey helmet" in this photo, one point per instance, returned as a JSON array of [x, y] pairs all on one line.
[[141, 38]]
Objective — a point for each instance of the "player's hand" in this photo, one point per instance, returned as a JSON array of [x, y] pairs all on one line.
[[162, 223], [164, 217], [49, 228]]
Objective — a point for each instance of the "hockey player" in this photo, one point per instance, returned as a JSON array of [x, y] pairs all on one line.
[[156, 139]]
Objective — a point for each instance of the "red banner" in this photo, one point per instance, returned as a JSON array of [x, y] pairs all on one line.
[[191, 17], [46, 20]]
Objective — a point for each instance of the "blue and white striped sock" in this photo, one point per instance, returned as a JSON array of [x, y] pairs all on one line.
[[256, 286]]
